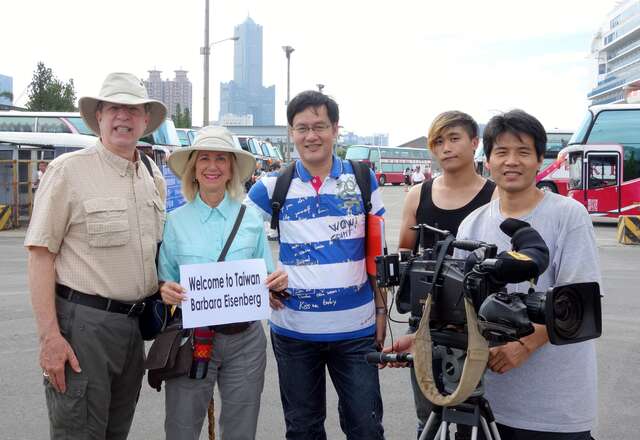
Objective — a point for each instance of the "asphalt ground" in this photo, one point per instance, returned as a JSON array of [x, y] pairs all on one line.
[[23, 413]]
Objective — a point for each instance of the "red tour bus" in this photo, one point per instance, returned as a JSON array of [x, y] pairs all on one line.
[[604, 161], [389, 163]]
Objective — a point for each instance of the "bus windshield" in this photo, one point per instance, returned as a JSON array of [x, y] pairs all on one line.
[[357, 153], [583, 128], [555, 143], [620, 127]]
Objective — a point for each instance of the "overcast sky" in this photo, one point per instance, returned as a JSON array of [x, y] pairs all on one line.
[[391, 65]]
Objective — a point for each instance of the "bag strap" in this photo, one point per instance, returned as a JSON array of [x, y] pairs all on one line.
[[236, 226], [283, 182], [362, 174], [145, 160]]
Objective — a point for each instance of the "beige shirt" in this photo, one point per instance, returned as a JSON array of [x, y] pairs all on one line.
[[103, 216]]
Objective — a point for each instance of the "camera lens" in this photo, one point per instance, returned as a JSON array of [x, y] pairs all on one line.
[[568, 313]]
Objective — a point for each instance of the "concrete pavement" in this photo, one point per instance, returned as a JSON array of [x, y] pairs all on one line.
[[23, 411]]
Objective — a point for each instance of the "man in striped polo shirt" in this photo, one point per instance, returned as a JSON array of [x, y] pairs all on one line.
[[333, 314]]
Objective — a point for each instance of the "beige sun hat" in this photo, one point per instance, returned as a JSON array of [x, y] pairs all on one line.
[[214, 138], [125, 89]]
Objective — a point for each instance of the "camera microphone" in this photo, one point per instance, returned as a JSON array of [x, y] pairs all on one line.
[[376, 357], [528, 258]]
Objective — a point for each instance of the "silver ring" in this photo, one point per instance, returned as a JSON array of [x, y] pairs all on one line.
[[45, 374]]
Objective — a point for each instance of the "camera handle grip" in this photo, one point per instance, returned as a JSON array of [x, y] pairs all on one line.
[[468, 245]]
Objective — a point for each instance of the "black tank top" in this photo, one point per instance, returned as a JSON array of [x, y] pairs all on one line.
[[447, 219]]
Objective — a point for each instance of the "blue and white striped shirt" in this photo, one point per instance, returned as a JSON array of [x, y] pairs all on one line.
[[322, 249]]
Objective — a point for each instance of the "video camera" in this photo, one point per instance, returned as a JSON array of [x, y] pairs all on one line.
[[571, 313]]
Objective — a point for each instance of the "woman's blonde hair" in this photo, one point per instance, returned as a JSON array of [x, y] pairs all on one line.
[[190, 186]]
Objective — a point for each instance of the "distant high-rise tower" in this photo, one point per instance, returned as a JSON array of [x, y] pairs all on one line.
[[6, 90], [170, 92], [245, 95]]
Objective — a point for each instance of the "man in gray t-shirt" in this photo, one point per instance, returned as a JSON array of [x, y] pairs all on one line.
[[555, 388], [533, 385]]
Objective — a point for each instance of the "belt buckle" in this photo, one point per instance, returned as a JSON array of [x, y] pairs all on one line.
[[136, 309]]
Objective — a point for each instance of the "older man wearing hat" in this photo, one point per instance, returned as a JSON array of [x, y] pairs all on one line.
[[213, 171], [98, 216]]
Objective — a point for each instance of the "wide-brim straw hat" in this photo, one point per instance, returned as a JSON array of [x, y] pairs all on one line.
[[124, 89], [214, 138]]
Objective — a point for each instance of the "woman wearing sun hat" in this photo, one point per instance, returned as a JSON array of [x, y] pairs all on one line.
[[213, 171]]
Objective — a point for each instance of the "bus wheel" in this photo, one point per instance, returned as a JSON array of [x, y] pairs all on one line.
[[382, 179], [547, 187]]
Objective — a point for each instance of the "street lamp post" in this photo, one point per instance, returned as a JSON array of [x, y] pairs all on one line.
[[320, 87], [206, 51], [288, 50]]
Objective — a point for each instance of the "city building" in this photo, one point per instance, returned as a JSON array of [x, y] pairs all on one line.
[[230, 119], [6, 90], [245, 94], [350, 138], [170, 92], [616, 49]]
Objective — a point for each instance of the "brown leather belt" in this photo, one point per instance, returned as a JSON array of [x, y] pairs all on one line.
[[232, 329], [99, 302]]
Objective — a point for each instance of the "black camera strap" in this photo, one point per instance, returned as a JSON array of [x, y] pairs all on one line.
[[443, 247]]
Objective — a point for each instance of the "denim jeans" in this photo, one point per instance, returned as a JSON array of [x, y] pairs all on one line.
[[301, 371]]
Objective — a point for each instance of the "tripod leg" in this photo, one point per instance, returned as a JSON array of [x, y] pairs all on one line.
[[432, 420], [444, 430], [494, 430], [485, 429]]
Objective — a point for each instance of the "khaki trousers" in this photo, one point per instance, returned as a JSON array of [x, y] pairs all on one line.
[[237, 366], [100, 401]]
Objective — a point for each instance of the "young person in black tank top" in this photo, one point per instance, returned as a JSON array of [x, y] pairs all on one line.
[[443, 203], [447, 219]]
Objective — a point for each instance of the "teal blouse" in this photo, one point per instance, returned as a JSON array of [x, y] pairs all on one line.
[[196, 233]]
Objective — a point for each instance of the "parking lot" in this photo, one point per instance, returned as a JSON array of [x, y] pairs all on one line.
[[23, 412]]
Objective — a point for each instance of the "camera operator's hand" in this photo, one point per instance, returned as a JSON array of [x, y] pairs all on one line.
[[404, 344], [513, 354]]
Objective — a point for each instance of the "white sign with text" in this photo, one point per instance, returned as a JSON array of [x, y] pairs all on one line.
[[224, 292]]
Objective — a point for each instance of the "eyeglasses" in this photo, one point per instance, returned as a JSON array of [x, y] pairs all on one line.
[[131, 110], [317, 129]]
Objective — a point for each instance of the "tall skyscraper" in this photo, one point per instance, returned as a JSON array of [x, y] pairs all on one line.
[[245, 94], [170, 92], [6, 89]]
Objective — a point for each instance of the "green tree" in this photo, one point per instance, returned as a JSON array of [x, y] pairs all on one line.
[[48, 93], [181, 119], [341, 152], [186, 118]]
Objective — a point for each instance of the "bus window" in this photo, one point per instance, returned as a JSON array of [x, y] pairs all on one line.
[[184, 137], [17, 123], [359, 153], [575, 170], [387, 167], [51, 125], [620, 127], [631, 162], [602, 170], [79, 125]]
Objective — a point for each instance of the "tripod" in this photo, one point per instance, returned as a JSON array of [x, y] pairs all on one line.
[[474, 412]]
